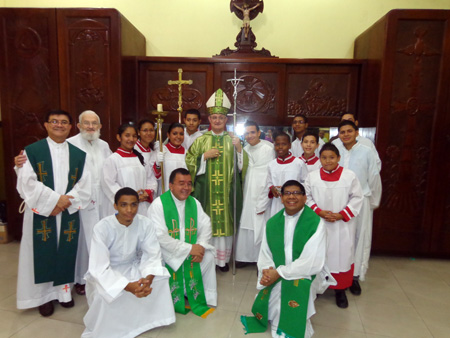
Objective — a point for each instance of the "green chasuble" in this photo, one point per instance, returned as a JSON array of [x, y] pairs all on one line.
[[54, 259], [189, 275], [214, 189], [294, 293]]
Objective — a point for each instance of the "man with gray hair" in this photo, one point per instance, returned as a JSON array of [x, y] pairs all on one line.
[[97, 150]]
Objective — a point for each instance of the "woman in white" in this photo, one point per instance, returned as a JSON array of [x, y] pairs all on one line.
[[126, 168], [173, 155]]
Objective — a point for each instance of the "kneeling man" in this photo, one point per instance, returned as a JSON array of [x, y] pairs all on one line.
[[127, 286], [293, 251], [184, 232]]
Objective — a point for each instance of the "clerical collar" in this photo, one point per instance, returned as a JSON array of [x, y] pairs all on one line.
[[176, 200], [289, 159], [217, 134], [55, 144], [331, 176], [125, 153], [310, 161], [297, 215], [142, 148], [173, 149]]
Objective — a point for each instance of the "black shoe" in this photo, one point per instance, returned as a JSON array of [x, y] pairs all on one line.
[[240, 265], [224, 268], [355, 288], [46, 309], [80, 289], [67, 304], [341, 299]]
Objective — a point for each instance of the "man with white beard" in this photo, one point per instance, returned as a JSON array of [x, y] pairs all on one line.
[[97, 150]]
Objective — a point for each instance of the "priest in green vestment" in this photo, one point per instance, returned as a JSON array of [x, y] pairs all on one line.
[[291, 268], [211, 164], [55, 185]]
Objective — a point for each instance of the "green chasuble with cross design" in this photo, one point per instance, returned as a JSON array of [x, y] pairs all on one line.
[[214, 188], [54, 259]]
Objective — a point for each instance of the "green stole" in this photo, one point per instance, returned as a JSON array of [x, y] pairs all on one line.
[[54, 261], [190, 273], [294, 293], [215, 189]]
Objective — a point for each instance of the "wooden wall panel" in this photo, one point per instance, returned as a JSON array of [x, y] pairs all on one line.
[[29, 88]]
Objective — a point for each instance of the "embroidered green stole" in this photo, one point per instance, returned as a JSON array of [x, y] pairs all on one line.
[[189, 273], [294, 293], [54, 260]]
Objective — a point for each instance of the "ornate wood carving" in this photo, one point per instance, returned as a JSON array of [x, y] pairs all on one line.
[[254, 95]]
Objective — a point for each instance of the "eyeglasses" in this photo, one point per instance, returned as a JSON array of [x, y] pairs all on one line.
[[56, 122], [87, 123], [294, 193], [299, 122]]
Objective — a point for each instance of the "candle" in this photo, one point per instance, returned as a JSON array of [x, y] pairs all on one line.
[[159, 107]]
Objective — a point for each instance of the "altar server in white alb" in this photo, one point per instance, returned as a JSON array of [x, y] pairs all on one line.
[[280, 170], [127, 286], [55, 185], [300, 126], [335, 194], [173, 155], [184, 232], [192, 120], [145, 143], [361, 139], [97, 151], [291, 268], [127, 168], [258, 154], [363, 162], [310, 144]]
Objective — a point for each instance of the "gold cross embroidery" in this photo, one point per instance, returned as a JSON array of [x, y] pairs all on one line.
[[218, 177], [44, 231], [70, 232], [173, 233], [42, 174], [192, 229], [74, 177], [217, 207], [219, 233]]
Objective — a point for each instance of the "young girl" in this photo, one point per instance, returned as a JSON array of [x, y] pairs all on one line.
[[126, 168], [335, 194], [281, 169], [145, 143], [173, 155], [310, 143]]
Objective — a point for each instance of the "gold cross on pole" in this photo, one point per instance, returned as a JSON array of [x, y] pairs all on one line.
[[159, 120], [42, 174], [44, 231], [70, 232], [192, 229], [180, 82]]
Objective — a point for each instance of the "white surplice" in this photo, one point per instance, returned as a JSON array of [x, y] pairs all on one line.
[[119, 255], [174, 158], [297, 149], [176, 251], [251, 224], [189, 139], [363, 162], [312, 163], [42, 200], [365, 141], [96, 153], [279, 172], [310, 262], [123, 169], [338, 191]]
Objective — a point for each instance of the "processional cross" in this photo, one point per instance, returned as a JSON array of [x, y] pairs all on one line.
[[180, 82]]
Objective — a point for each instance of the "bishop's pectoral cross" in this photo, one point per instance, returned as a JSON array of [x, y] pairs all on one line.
[[44, 231], [42, 174], [180, 82], [70, 232], [173, 233]]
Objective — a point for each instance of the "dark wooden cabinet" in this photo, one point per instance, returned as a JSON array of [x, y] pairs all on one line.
[[61, 58], [408, 78]]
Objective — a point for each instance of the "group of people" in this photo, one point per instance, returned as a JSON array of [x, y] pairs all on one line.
[[144, 229]]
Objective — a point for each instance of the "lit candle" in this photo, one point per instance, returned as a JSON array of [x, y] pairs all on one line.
[[159, 107]]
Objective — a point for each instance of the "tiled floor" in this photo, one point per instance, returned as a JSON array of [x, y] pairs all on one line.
[[401, 297]]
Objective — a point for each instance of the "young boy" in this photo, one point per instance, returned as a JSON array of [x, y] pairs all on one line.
[[363, 162], [281, 169], [310, 143], [127, 286], [192, 120], [335, 194]]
